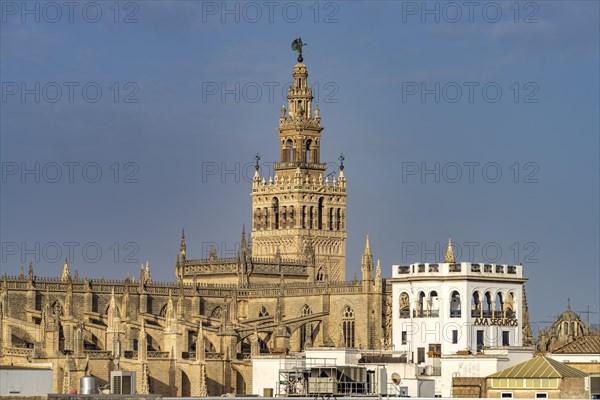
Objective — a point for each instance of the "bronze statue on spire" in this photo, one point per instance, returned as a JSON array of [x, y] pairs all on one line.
[[297, 46]]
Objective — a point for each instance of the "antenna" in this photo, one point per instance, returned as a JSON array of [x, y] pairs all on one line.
[[588, 312]]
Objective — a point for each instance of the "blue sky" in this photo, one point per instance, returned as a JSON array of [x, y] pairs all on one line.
[[377, 68]]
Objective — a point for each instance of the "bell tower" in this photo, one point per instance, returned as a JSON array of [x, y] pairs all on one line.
[[299, 205]]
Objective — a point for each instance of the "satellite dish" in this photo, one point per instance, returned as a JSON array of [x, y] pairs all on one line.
[[395, 378]]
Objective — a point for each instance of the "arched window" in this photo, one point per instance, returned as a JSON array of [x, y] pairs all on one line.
[[275, 207], [499, 305], [404, 305], [266, 212], [306, 330], [338, 221], [320, 275], [303, 216], [330, 219], [307, 151], [487, 312], [320, 214], [509, 305], [310, 217], [284, 217], [289, 150], [476, 305], [291, 218], [565, 328], [263, 312], [455, 305], [348, 326], [434, 307], [258, 219], [420, 306]]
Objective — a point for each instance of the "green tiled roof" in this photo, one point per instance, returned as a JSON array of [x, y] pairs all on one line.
[[582, 345], [539, 367]]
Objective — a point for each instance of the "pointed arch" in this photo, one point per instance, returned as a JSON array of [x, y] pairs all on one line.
[[348, 326], [455, 305], [263, 312]]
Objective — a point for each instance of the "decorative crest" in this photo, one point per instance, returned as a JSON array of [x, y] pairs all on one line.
[[257, 158]]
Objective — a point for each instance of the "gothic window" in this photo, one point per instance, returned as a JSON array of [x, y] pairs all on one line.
[[284, 217], [348, 326], [320, 275], [275, 206], [263, 312], [306, 331], [289, 151], [404, 305], [266, 226], [320, 214], [307, 157], [338, 221], [455, 305], [216, 312], [303, 217], [57, 309]]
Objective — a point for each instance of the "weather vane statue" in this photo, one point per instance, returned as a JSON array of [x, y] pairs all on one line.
[[297, 46]]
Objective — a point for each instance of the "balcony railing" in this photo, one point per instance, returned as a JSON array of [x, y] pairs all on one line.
[[455, 313], [454, 268], [404, 269], [404, 313], [426, 314]]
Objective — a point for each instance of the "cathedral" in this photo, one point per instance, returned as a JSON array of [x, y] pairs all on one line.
[[196, 336]]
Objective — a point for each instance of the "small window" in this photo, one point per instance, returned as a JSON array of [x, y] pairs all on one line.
[[506, 395], [420, 355], [505, 338], [543, 395], [479, 340], [404, 337], [454, 336]]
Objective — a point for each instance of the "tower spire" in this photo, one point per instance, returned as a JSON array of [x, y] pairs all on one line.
[[449, 258], [367, 262], [66, 275], [182, 246]]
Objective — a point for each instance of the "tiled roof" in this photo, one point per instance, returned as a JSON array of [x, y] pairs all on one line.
[[539, 367], [581, 345]]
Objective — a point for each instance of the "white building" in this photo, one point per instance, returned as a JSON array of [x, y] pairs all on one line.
[[339, 372], [456, 311]]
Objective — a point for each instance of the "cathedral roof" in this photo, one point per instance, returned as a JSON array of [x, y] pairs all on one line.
[[582, 345]]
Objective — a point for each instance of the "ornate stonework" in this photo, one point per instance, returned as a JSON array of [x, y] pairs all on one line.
[[196, 336]]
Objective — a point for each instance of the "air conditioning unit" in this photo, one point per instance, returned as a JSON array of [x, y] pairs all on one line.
[[122, 382]]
